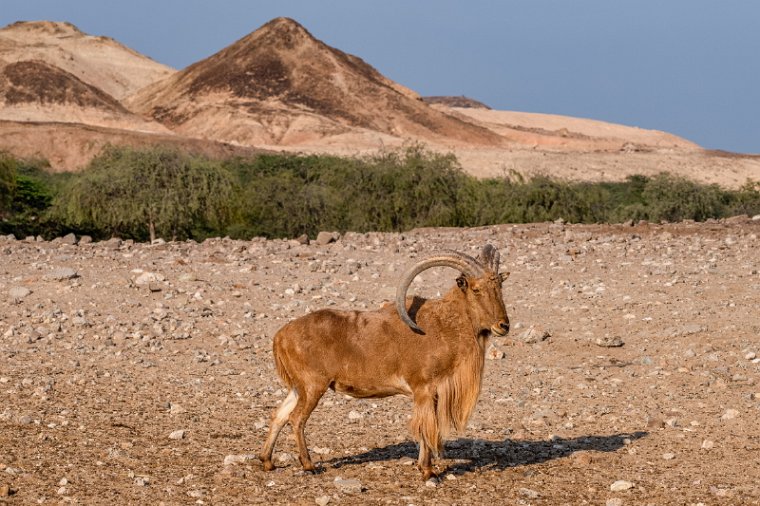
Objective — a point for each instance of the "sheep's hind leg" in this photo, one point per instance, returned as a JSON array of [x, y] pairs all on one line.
[[298, 418], [279, 419]]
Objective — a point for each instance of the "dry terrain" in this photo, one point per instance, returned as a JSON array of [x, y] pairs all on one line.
[[143, 374]]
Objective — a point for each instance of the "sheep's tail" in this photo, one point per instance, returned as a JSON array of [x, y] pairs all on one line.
[[282, 371]]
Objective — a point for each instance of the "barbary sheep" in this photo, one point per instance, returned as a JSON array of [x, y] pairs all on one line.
[[430, 349]]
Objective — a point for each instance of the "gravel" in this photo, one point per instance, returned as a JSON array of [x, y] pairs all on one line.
[[97, 371]]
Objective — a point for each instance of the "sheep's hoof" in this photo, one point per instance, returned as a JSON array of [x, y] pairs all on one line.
[[310, 472], [308, 465], [428, 473]]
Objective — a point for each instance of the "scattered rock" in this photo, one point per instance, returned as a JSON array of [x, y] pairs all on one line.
[[61, 274], [407, 461], [283, 458], [609, 342], [238, 459], [583, 458], [729, 414], [113, 243], [684, 330], [176, 409], [494, 353], [326, 238], [351, 486], [530, 494], [146, 278], [620, 485], [101, 336], [18, 292], [69, 239], [178, 434], [534, 334]]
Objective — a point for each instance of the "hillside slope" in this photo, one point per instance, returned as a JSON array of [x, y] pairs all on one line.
[[98, 61], [281, 86]]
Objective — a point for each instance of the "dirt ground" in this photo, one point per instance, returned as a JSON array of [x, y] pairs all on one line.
[[143, 374]]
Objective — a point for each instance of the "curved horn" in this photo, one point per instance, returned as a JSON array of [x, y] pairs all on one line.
[[464, 263]]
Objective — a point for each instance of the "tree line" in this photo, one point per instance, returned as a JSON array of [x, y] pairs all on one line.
[[160, 192]]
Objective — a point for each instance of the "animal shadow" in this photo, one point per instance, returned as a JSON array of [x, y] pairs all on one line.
[[475, 454]]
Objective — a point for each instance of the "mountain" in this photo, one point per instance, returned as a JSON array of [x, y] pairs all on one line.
[[59, 96], [64, 95], [98, 61], [281, 86], [34, 91]]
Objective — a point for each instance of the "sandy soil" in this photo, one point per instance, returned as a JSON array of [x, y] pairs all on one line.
[[138, 374]]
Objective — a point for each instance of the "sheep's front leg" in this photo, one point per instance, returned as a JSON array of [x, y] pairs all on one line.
[[425, 429]]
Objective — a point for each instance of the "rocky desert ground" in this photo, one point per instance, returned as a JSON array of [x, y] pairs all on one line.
[[143, 374]]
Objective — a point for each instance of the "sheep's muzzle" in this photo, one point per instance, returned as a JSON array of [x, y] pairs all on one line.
[[500, 329]]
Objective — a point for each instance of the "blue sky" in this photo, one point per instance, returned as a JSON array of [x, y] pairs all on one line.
[[690, 67]]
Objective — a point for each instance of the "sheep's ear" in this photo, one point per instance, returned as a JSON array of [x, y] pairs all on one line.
[[462, 282], [503, 276]]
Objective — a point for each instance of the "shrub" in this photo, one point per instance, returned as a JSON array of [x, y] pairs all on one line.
[[141, 193], [7, 182]]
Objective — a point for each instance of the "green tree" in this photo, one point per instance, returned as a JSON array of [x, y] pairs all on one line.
[[675, 198], [8, 167], [149, 192]]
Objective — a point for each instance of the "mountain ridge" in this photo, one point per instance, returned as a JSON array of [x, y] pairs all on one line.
[[281, 89]]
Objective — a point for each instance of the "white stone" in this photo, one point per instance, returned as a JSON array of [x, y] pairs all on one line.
[[19, 292], [620, 485], [148, 277], [237, 459], [351, 486], [730, 414], [178, 434], [494, 353]]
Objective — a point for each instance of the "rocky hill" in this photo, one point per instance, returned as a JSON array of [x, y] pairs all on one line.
[[98, 61], [461, 101], [280, 85]]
